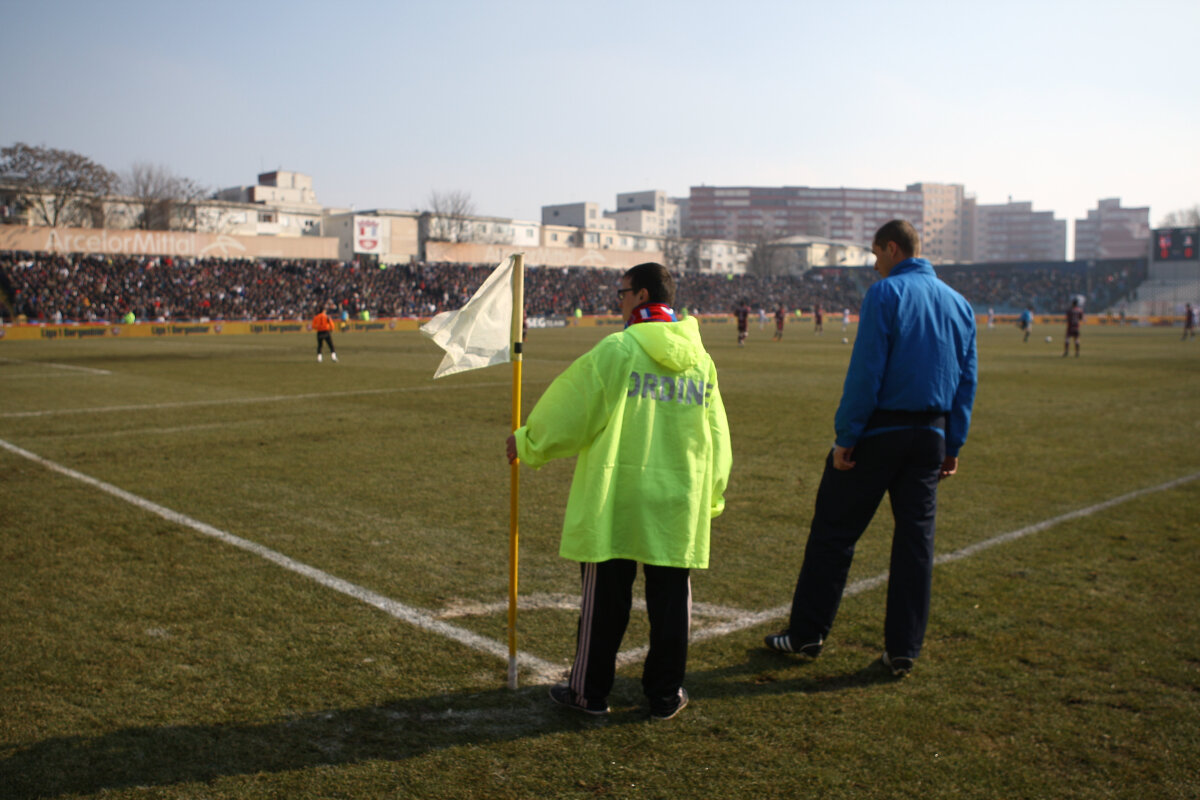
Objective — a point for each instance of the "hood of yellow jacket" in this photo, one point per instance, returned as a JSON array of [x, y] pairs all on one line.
[[675, 345]]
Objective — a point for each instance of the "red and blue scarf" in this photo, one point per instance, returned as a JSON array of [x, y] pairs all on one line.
[[652, 312]]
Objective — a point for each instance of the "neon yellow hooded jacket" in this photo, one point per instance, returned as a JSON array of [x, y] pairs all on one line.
[[643, 412]]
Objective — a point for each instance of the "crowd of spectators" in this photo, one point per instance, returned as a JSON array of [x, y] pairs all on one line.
[[1046, 286], [1008, 290], [81, 288]]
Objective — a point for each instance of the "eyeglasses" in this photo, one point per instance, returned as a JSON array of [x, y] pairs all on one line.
[[622, 291]]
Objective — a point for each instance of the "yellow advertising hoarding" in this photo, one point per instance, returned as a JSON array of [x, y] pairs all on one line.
[[78, 331], [75, 332]]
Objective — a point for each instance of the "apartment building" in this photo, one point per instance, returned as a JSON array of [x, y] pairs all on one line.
[[382, 236], [287, 203], [121, 212], [942, 240], [1012, 232], [647, 212], [795, 255], [750, 213], [1113, 232], [716, 256], [577, 215]]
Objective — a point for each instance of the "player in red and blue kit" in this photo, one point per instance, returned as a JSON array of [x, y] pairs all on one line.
[[742, 313], [1074, 318]]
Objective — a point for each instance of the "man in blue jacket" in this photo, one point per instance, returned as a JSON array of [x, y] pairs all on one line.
[[904, 415]]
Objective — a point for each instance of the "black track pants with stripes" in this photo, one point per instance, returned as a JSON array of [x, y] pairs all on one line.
[[607, 599]]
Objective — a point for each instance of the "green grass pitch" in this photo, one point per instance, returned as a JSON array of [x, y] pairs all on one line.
[[140, 658]]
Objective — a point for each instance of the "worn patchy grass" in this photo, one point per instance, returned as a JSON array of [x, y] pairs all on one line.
[[139, 658]]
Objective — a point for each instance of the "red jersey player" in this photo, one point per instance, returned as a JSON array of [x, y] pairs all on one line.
[[1074, 318], [742, 313]]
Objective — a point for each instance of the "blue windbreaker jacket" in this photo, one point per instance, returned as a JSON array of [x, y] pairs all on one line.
[[915, 351]]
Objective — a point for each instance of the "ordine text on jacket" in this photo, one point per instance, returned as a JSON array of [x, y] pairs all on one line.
[[666, 389]]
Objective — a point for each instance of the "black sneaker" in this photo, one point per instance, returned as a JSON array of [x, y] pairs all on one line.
[[562, 694], [669, 713], [899, 665], [782, 642]]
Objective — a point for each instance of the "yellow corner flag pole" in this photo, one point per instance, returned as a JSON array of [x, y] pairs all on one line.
[[518, 324]]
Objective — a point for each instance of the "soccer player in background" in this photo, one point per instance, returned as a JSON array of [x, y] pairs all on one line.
[[904, 414], [1074, 318], [1025, 322], [642, 410], [742, 312], [323, 325], [780, 315], [1189, 322]]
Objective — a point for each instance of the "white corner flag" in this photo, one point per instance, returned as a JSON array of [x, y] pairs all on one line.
[[486, 331], [477, 335]]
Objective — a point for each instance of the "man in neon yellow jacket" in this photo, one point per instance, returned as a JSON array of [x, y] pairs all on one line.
[[642, 411]]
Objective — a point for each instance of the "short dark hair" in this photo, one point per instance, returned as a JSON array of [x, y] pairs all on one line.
[[903, 234], [654, 278]]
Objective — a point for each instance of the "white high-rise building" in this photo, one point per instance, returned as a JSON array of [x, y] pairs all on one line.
[[647, 212], [1012, 232], [943, 240], [1112, 232]]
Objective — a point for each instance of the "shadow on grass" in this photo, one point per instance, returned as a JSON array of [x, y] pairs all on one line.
[[760, 674], [175, 754]]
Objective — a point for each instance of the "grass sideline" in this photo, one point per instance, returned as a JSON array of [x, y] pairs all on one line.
[[141, 659]]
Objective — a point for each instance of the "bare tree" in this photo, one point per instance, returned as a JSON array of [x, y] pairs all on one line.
[[60, 187], [1183, 218], [691, 259], [450, 215], [161, 200], [764, 260], [674, 253], [213, 218]]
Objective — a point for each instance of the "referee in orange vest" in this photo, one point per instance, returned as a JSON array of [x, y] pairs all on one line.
[[323, 325]]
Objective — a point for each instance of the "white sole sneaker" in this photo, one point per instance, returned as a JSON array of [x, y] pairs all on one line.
[[900, 666], [782, 643], [662, 716]]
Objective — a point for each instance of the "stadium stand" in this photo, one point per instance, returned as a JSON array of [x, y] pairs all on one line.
[[1046, 285], [84, 288]]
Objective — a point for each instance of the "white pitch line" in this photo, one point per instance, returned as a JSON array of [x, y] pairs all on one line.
[[148, 431], [38, 376], [413, 616], [566, 602], [279, 398], [545, 670], [864, 584], [51, 364]]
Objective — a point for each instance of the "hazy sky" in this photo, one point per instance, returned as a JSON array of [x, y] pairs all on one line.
[[524, 104]]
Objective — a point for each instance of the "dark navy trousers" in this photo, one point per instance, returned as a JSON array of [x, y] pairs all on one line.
[[604, 615], [905, 464], [324, 337]]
